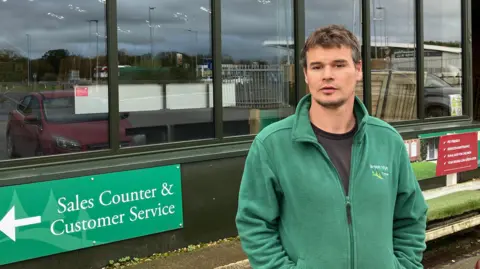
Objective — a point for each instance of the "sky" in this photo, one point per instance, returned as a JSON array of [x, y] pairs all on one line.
[[184, 25]]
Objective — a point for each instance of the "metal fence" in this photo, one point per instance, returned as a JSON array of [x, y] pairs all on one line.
[[434, 66], [259, 86]]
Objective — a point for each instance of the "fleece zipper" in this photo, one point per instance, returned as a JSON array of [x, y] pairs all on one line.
[[347, 197], [353, 159]]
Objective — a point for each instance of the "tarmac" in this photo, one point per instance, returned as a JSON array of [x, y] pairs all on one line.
[[210, 257], [464, 264], [229, 255]]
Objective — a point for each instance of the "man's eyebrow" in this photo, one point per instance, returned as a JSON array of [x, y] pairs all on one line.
[[335, 61]]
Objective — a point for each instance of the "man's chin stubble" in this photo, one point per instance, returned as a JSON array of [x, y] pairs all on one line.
[[332, 104]]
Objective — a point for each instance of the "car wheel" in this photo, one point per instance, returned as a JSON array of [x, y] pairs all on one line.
[[434, 112], [39, 152], [10, 147]]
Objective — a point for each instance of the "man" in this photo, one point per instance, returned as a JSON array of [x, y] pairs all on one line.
[[330, 186]]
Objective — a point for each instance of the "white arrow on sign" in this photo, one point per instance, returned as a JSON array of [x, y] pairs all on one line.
[[8, 225]]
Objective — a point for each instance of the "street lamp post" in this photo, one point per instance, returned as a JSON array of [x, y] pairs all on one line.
[[28, 63], [375, 29], [196, 53], [384, 23], [96, 65], [150, 24]]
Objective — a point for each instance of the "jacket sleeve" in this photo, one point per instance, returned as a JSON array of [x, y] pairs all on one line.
[[410, 217], [258, 212]]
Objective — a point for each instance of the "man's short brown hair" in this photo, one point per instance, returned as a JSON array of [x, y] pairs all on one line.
[[332, 36]]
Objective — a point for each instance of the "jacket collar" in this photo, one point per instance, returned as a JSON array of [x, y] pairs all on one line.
[[302, 129]]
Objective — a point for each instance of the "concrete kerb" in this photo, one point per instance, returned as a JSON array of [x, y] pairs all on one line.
[[237, 265]]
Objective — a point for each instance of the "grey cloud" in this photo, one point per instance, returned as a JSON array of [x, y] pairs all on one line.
[[246, 24]]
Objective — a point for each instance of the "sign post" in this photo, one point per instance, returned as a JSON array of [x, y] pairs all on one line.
[[51, 217]]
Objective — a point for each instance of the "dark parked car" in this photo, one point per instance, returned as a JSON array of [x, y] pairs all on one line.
[[437, 99]]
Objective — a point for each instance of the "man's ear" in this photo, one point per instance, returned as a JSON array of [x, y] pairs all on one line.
[[305, 75], [358, 67]]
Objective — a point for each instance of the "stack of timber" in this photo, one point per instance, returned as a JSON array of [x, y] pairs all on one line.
[[394, 95]]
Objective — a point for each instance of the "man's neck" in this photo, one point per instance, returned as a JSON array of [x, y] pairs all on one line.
[[336, 121]]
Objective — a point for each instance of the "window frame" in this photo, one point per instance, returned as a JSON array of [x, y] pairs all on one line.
[[408, 129]]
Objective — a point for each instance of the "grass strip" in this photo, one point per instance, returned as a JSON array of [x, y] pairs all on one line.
[[453, 205]]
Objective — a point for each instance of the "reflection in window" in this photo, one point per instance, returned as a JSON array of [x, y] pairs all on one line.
[[343, 12], [443, 58], [257, 65], [394, 76], [165, 70], [50, 50]]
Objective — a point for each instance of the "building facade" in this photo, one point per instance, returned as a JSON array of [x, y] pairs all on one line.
[[145, 144]]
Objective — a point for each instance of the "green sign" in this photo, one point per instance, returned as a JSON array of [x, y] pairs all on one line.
[[438, 134], [46, 218]]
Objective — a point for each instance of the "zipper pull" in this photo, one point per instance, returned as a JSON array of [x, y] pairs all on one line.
[[349, 214]]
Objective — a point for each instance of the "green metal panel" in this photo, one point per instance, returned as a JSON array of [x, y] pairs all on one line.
[[299, 41], [216, 41], [68, 214], [419, 59], [467, 67], [366, 55], [437, 134], [268, 117], [112, 63]]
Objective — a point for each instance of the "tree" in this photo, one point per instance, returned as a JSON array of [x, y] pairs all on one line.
[[7, 55], [454, 44], [55, 57]]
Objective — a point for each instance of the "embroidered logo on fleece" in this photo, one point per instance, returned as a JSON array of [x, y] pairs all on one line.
[[380, 171]]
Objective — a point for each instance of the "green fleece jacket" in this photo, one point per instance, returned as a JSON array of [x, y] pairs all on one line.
[[293, 212]]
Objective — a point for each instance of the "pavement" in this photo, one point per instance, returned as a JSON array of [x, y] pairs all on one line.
[[229, 255], [467, 186], [214, 256], [464, 264]]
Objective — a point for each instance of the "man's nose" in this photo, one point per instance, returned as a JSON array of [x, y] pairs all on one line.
[[327, 73]]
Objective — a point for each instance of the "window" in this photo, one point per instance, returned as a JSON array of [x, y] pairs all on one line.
[[54, 73], [49, 51], [343, 12], [165, 70], [442, 58], [258, 81], [393, 75]]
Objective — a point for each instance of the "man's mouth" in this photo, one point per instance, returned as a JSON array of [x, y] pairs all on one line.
[[328, 89]]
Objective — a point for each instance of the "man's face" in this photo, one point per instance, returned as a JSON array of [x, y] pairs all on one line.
[[331, 75]]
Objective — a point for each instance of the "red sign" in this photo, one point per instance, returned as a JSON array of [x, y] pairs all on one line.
[[457, 153], [81, 91]]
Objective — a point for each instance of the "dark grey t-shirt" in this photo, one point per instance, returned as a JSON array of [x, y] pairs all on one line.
[[339, 149]]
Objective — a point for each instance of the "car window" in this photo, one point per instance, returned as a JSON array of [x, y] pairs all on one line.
[[33, 107], [22, 106], [435, 82], [62, 110]]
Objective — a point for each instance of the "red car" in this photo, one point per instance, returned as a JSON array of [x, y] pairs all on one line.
[[45, 123]]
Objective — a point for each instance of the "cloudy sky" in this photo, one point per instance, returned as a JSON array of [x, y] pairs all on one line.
[[184, 25]]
